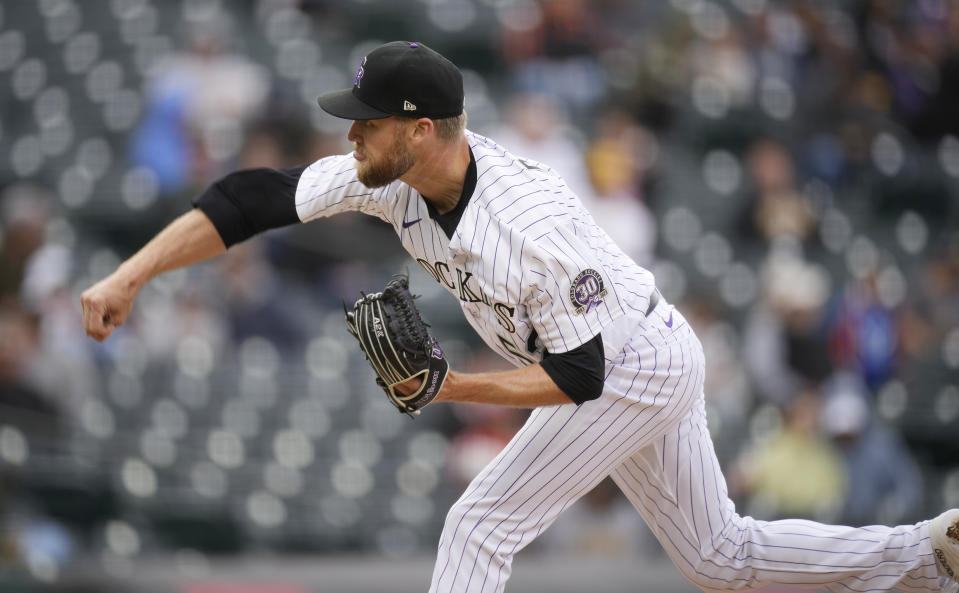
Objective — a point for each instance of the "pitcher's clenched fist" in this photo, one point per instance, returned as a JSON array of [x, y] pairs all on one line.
[[106, 305], [189, 239]]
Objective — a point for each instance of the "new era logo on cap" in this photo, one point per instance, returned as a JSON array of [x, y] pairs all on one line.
[[400, 78]]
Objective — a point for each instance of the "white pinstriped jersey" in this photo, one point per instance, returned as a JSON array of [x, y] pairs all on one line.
[[525, 256]]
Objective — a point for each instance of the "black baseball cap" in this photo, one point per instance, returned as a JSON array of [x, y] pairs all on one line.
[[400, 78]]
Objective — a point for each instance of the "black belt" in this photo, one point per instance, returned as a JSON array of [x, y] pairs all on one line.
[[653, 301]]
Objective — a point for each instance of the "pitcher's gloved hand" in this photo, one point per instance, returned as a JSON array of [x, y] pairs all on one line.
[[396, 341]]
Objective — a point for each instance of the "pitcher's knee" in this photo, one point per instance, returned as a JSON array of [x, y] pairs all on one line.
[[463, 518], [461, 510], [722, 563], [481, 525], [716, 572]]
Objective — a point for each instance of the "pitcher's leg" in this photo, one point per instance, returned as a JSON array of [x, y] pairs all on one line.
[[561, 453], [513, 499], [678, 487]]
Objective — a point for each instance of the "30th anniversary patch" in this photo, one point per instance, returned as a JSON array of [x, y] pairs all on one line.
[[587, 290]]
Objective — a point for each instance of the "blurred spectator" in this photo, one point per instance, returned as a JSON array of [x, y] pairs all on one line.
[[916, 47], [198, 103], [45, 360], [863, 334], [884, 484], [558, 56], [252, 290], [17, 353], [277, 143], [39, 544], [776, 208], [795, 471], [939, 283], [62, 367], [24, 213], [938, 116], [725, 60], [536, 127], [918, 336], [784, 339], [617, 160]]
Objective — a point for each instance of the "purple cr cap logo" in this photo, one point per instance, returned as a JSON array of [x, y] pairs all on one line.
[[587, 291], [359, 73], [414, 44]]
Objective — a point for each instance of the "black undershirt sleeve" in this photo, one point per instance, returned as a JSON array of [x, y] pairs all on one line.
[[579, 372], [250, 201]]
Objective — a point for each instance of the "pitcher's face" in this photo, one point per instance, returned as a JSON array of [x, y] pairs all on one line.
[[381, 151]]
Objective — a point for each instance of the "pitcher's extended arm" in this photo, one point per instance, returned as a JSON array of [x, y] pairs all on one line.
[[187, 240]]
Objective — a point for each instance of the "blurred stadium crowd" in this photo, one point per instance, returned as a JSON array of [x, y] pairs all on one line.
[[788, 169]]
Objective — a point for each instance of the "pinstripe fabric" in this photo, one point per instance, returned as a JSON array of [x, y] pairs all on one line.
[[648, 431]]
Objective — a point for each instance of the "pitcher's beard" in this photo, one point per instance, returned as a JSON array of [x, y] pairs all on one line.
[[397, 161]]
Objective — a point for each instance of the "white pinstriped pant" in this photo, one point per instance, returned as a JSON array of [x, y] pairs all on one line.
[[648, 431]]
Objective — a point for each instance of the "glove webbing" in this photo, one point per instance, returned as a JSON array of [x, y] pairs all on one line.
[[390, 373]]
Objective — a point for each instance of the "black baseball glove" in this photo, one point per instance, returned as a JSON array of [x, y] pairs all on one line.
[[398, 345]]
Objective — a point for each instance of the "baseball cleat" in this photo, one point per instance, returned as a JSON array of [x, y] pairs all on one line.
[[944, 531]]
